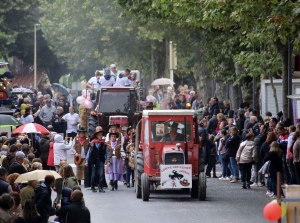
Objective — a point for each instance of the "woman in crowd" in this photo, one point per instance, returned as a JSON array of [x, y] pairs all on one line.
[[245, 156], [240, 122], [29, 214], [16, 210], [69, 179], [197, 102], [265, 148], [27, 117], [11, 180], [222, 149], [232, 145], [36, 166], [220, 118], [6, 203], [60, 148], [72, 120], [56, 95], [275, 157]]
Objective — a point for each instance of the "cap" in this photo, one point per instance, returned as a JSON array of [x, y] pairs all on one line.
[[20, 154], [48, 100], [112, 65]]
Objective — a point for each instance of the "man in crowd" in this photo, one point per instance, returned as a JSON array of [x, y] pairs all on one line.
[[28, 191], [212, 123], [47, 113], [113, 71], [4, 186], [94, 82], [214, 105], [57, 122], [10, 157], [42, 198], [47, 90], [123, 78], [17, 166]]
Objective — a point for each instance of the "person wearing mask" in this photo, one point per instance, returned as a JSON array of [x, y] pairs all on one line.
[[42, 198], [47, 113], [76, 212], [6, 203], [72, 120], [275, 157], [96, 157], [28, 191], [17, 166], [107, 79], [245, 156]]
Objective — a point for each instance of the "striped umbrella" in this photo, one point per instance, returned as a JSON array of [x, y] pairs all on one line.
[[31, 128]]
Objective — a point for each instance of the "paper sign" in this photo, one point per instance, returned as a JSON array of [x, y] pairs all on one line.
[[176, 176]]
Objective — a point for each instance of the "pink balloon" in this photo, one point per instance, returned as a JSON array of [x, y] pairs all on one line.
[[88, 104], [80, 100], [88, 98]]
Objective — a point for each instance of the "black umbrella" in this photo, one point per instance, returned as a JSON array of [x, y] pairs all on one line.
[[8, 120], [5, 111]]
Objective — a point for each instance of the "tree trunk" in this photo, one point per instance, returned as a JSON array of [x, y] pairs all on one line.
[[160, 57], [283, 50], [220, 92]]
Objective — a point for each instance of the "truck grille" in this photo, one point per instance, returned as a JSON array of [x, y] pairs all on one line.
[[173, 158]]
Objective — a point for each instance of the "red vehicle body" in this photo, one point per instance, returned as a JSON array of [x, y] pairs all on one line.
[[157, 151]]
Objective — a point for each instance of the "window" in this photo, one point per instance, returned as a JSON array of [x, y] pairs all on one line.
[[171, 131], [146, 132]]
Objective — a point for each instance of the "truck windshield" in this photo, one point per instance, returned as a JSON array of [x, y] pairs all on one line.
[[117, 101], [171, 131]]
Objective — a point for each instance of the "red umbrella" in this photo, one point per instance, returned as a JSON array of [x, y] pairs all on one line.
[[31, 128]]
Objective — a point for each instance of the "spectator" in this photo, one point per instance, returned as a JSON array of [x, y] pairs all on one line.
[[214, 105], [25, 149], [4, 185], [75, 212], [17, 166], [47, 113], [283, 141], [3, 153], [56, 95], [296, 155], [44, 147], [11, 180], [213, 123], [197, 102], [245, 155], [290, 156], [27, 117], [69, 179], [42, 198], [36, 166], [72, 120], [57, 121], [6, 203], [47, 90], [30, 157], [28, 191], [62, 103], [222, 149], [60, 148], [29, 214], [16, 210], [10, 158]]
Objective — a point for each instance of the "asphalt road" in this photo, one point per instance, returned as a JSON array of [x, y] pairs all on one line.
[[226, 202]]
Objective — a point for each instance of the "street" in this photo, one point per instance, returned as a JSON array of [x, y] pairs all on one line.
[[226, 202]]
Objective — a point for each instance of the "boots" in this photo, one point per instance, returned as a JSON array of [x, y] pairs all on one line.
[[94, 189], [132, 184], [116, 184], [244, 185], [128, 184], [248, 185], [101, 190], [112, 185]]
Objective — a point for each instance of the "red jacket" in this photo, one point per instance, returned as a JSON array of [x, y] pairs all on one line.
[[50, 161]]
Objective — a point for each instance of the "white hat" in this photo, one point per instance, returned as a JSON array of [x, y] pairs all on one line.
[[112, 65], [169, 88]]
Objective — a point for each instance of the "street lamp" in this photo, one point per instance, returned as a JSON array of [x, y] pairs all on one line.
[[34, 77]]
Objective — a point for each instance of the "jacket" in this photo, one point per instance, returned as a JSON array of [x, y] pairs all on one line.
[[3, 186], [264, 150], [258, 141], [44, 147], [50, 160], [117, 150], [276, 161], [240, 125], [78, 146], [5, 217], [8, 160], [296, 151], [26, 193], [232, 145], [42, 199], [66, 196], [35, 219], [212, 125], [246, 152], [97, 154], [60, 149], [212, 108], [17, 168], [70, 182], [74, 213]]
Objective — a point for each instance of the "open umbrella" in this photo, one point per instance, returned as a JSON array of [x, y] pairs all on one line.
[[31, 128], [61, 88], [38, 175], [162, 81], [6, 111], [9, 120]]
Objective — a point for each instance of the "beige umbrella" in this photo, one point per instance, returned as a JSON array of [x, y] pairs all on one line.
[[163, 81], [38, 175]]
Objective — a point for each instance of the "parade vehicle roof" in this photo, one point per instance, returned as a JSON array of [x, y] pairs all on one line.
[[168, 112]]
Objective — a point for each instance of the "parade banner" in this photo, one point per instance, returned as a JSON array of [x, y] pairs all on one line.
[[176, 176]]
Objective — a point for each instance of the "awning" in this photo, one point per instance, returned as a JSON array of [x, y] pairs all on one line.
[[26, 79]]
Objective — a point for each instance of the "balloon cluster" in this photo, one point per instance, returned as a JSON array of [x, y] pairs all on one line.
[[273, 211], [85, 99]]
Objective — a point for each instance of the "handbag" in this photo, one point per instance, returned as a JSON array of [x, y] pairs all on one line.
[[226, 157], [265, 168]]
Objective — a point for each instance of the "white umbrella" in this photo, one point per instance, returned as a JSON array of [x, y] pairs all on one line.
[[294, 96], [38, 175], [162, 81]]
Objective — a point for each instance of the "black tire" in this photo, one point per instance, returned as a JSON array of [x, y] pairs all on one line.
[[202, 187], [93, 123], [145, 187], [194, 190], [139, 171]]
